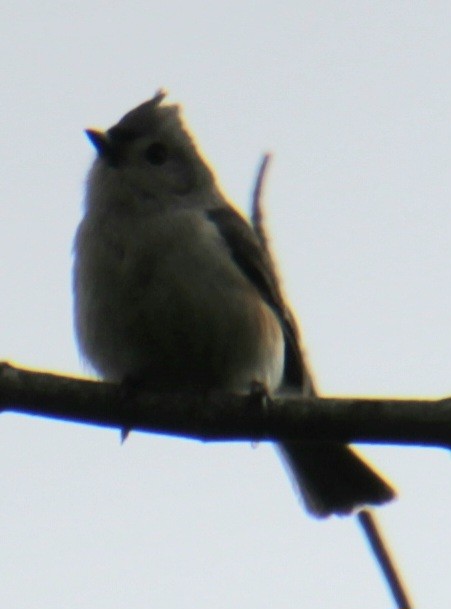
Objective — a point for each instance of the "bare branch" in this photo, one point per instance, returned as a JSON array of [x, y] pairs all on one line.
[[323, 415], [368, 523], [218, 416], [257, 215]]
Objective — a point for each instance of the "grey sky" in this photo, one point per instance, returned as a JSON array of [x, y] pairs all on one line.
[[354, 100]]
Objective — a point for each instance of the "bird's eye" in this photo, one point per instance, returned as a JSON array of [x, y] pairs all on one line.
[[157, 153]]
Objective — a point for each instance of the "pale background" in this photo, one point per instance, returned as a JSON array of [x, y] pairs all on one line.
[[354, 99]]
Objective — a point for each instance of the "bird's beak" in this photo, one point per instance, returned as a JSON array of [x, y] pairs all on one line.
[[101, 142]]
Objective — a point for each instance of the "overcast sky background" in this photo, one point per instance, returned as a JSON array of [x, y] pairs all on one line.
[[354, 100]]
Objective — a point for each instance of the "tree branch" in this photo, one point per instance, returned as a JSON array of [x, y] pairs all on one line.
[[257, 215], [219, 416]]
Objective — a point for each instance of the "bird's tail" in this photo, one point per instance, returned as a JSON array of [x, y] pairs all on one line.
[[333, 479]]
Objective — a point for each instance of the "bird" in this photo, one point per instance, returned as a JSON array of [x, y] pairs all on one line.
[[174, 286]]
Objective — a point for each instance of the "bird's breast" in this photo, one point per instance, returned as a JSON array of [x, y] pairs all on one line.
[[168, 302]]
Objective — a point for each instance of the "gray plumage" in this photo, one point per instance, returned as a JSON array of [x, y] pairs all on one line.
[[172, 286]]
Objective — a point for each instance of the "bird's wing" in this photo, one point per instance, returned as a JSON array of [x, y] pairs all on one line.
[[256, 263]]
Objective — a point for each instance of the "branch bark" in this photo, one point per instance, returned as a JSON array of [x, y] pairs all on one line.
[[219, 416]]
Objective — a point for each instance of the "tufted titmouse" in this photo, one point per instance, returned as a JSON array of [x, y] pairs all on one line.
[[173, 286]]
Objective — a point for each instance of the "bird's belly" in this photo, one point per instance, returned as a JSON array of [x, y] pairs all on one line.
[[212, 332]]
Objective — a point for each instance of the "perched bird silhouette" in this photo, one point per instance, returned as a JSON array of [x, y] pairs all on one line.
[[173, 285]]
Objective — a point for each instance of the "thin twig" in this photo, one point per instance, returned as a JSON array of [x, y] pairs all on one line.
[[378, 545], [365, 518], [257, 215]]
